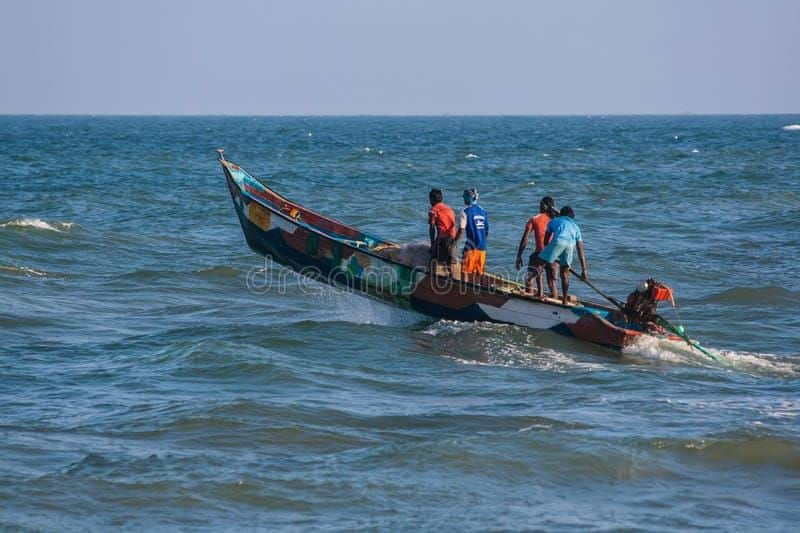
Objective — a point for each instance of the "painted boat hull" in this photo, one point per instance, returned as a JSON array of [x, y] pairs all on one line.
[[334, 253]]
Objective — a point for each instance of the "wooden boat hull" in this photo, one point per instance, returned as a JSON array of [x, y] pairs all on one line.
[[333, 253]]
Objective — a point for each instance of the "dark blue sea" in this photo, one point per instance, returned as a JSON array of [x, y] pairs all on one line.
[[147, 382]]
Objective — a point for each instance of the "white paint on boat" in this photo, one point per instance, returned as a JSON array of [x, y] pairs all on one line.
[[530, 313]]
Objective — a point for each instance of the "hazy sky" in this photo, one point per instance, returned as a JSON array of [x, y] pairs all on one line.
[[399, 57]]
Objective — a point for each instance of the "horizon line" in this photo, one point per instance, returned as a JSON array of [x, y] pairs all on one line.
[[397, 115]]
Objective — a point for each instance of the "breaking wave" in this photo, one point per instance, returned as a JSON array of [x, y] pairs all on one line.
[[23, 271], [652, 350], [491, 344], [791, 127], [38, 223]]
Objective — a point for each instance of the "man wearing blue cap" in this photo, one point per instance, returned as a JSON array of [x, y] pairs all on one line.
[[474, 222]]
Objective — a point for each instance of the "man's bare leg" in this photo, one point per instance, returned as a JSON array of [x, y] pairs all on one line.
[[529, 281], [538, 266], [551, 280], [565, 284]]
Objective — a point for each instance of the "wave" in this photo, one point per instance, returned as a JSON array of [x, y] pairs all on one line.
[[145, 274], [214, 272], [23, 271], [38, 223], [506, 345], [483, 343], [754, 296], [791, 127], [219, 271], [225, 360], [652, 350], [740, 448]]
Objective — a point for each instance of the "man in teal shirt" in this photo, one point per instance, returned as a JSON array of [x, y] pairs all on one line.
[[566, 239]]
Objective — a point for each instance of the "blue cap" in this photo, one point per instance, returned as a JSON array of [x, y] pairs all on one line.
[[471, 196]]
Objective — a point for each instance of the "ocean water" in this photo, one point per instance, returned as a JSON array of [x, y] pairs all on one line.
[[156, 374]]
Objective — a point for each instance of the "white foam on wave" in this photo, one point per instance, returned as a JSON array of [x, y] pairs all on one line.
[[501, 349], [38, 224], [757, 363], [471, 156], [442, 327], [29, 272], [791, 127], [662, 351], [785, 409]]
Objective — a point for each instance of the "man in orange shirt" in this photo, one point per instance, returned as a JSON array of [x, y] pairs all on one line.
[[442, 230], [537, 225]]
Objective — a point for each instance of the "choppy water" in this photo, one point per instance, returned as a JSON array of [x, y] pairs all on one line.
[[143, 385]]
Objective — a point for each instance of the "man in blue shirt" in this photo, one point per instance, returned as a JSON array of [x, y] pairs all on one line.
[[474, 222], [566, 238]]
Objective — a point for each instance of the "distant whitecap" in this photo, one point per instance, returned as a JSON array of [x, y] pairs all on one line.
[[695, 151], [38, 224], [310, 134], [791, 127], [21, 270], [471, 156], [367, 149], [675, 137], [380, 152], [545, 155]]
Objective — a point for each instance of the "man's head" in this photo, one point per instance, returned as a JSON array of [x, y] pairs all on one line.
[[435, 196], [567, 211], [546, 205], [471, 196]]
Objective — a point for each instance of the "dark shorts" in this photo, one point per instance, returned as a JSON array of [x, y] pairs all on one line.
[[531, 262], [442, 250], [532, 265]]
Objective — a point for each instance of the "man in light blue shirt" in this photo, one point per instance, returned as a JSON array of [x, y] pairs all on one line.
[[566, 238]]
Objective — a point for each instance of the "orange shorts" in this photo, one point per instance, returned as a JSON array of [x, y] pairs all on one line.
[[473, 262]]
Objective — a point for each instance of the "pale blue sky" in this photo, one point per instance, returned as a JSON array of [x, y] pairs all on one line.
[[401, 57]]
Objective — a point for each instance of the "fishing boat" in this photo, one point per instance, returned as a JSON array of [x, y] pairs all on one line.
[[332, 252]]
